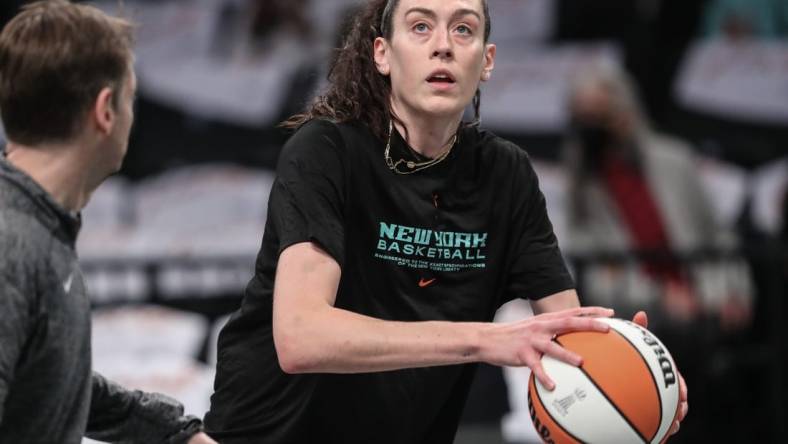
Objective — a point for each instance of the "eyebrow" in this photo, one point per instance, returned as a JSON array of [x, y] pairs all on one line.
[[431, 14]]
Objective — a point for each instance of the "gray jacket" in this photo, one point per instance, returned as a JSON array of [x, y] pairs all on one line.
[[690, 223], [48, 393]]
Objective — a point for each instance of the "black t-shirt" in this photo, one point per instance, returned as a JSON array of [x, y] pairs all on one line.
[[451, 242]]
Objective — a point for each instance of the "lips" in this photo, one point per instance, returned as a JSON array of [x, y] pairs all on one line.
[[441, 76]]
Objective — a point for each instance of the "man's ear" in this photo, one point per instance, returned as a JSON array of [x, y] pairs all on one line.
[[381, 48], [103, 111], [488, 62]]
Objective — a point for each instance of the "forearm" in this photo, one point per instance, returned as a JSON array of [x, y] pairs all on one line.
[[15, 311], [117, 414], [311, 335], [337, 341], [325, 339], [332, 340], [3, 395]]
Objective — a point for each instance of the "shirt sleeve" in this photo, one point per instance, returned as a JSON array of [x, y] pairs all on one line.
[[135, 417], [538, 268], [15, 307], [307, 198]]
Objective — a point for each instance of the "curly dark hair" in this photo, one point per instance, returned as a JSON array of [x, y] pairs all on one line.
[[357, 91]]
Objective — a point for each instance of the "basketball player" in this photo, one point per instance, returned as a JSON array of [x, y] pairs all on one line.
[[66, 95], [394, 233]]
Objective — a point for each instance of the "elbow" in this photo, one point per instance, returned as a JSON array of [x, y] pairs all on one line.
[[293, 351], [291, 361]]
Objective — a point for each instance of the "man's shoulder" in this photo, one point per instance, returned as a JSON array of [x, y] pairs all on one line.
[[21, 233]]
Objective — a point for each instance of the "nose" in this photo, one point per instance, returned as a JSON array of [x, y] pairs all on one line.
[[443, 46]]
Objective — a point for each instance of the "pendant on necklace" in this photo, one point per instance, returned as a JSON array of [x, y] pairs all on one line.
[[411, 164]]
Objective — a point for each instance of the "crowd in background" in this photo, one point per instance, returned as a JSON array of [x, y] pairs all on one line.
[[659, 130]]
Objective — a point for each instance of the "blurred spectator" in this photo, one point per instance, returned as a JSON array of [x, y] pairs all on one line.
[[741, 19], [632, 189]]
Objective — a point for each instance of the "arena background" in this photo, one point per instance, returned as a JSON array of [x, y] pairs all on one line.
[[169, 243]]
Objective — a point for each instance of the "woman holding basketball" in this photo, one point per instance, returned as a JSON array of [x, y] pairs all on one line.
[[394, 232]]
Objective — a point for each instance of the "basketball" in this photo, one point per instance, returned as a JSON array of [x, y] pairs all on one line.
[[626, 391]]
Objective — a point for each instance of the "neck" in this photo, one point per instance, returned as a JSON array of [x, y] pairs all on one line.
[[59, 169], [428, 135]]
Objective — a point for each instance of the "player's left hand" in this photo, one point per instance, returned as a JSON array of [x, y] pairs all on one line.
[[201, 438], [641, 319]]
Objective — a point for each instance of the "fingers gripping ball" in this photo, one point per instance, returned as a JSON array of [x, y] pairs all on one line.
[[626, 391]]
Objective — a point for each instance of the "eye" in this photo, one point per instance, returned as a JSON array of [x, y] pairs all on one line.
[[421, 27], [463, 30]]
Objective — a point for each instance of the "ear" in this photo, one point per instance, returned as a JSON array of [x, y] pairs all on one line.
[[381, 48], [489, 62], [103, 111]]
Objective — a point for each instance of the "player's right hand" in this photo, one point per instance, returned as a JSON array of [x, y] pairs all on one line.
[[522, 343]]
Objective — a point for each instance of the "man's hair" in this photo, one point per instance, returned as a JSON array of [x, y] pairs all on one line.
[[357, 91], [55, 58]]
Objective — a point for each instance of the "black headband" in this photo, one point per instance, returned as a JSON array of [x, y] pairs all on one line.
[[386, 13]]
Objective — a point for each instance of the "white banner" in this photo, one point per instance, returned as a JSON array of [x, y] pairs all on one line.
[[743, 80], [515, 22], [205, 210], [197, 56]]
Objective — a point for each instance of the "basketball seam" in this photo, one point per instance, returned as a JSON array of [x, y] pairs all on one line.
[[626, 419], [547, 411], [653, 379]]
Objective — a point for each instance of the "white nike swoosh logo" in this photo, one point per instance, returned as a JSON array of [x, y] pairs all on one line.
[[67, 284]]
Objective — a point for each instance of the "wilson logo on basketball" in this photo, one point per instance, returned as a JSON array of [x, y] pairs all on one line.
[[541, 429], [668, 373]]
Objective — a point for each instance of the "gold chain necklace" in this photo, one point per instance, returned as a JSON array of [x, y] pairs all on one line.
[[413, 167]]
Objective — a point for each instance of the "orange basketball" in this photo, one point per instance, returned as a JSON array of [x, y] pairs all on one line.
[[626, 391]]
